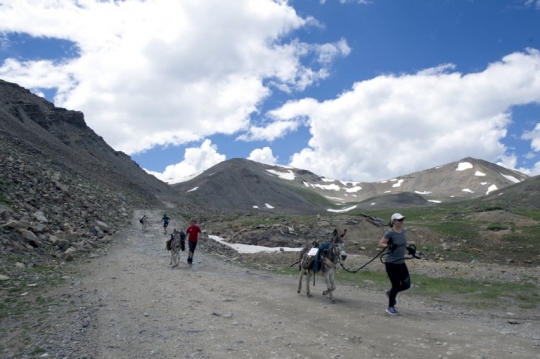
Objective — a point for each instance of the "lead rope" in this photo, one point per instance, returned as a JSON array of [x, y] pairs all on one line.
[[410, 248], [371, 260]]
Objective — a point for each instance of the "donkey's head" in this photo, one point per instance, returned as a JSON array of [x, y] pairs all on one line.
[[339, 244]]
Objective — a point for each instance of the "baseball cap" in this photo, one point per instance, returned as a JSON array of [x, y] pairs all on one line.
[[397, 216]]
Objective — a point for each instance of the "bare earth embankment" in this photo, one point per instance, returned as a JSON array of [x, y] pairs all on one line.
[[131, 304]]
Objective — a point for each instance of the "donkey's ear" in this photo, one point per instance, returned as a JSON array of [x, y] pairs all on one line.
[[335, 232]]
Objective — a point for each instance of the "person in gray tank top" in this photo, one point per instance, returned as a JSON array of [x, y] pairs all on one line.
[[395, 241]]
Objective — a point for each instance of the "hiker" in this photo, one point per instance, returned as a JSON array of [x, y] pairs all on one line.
[[144, 222], [395, 242], [193, 232], [165, 221]]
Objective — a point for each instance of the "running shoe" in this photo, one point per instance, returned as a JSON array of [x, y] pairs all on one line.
[[392, 311]]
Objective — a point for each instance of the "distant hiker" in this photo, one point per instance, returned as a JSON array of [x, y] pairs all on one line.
[[144, 222], [193, 233], [165, 221], [395, 241]]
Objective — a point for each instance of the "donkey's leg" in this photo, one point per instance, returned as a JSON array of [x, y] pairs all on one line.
[[332, 278], [329, 279], [308, 279], [300, 281]]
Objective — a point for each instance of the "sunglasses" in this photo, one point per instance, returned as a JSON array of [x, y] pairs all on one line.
[[400, 220]]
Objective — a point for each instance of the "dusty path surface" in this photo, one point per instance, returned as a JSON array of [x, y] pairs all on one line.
[[137, 306]]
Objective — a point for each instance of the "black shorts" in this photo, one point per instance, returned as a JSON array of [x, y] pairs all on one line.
[[165, 225], [192, 246]]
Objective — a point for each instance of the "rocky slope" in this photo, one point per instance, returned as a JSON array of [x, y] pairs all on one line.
[[35, 128], [63, 190], [46, 216]]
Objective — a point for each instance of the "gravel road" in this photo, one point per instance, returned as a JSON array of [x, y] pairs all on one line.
[[132, 304]]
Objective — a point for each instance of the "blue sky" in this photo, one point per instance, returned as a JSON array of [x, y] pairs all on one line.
[[352, 90]]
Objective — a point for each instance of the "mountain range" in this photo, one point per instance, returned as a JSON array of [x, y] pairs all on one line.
[[247, 185], [32, 126]]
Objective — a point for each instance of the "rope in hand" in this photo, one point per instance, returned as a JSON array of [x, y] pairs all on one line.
[[410, 248]]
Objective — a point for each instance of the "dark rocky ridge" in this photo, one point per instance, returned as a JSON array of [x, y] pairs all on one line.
[[35, 127]]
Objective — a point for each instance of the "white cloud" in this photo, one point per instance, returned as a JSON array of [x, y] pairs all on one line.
[[196, 160], [533, 3], [328, 52], [535, 170], [263, 155], [274, 130], [167, 72], [534, 136], [391, 125]]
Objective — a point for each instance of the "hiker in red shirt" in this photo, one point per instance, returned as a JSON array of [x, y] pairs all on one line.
[[193, 232]]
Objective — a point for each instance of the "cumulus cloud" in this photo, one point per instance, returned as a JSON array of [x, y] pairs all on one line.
[[196, 160], [166, 72], [534, 136], [388, 125], [270, 132], [263, 155]]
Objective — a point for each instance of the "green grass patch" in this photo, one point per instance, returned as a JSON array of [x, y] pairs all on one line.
[[466, 292], [13, 307], [534, 214], [456, 228], [5, 200], [38, 351], [498, 227]]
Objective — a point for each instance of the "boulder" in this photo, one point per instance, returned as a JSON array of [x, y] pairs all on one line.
[[63, 244], [14, 224], [30, 238], [40, 216], [69, 254], [103, 226]]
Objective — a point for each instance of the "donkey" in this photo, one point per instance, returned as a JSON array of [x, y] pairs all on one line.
[[176, 246], [330, 253]]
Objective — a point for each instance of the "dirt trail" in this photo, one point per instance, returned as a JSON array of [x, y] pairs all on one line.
[[141, 308]]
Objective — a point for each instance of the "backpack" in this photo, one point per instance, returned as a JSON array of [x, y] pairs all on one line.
[[307, 262], [141, 220], [309, 258]]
